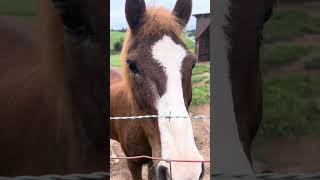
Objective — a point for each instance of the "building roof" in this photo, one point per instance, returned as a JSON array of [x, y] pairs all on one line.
[[202, 14], [203, 22]]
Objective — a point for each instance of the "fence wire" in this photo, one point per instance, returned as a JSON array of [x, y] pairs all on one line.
[[157, 116]]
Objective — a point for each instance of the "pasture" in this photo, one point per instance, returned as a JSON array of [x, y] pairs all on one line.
[[25, 9], [290, 66]]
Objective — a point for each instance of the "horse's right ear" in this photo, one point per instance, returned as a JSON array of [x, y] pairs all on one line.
[[135, 10]]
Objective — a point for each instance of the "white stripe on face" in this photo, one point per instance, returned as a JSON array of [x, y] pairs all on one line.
[[177, 140]]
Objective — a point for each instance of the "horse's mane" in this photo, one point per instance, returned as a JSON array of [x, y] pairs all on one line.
[[156, 22]]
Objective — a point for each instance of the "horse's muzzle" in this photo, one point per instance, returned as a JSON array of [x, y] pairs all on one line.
[[164, 174]]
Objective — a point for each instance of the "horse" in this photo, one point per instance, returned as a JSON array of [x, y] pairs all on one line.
[[53, 90], [155, 79]]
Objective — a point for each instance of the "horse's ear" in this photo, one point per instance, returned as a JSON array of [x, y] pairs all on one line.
[[73, 17], [182, 10], [135, 10]]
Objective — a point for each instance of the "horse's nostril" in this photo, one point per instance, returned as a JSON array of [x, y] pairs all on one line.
[[163, 173], [202, 171]]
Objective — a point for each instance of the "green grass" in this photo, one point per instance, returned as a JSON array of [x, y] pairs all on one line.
[[274, 55], [200, 69], [115, 60], [114, 37], [198, 78], [18, 7], [200, 95], [25, 9], [287, 25], [189, 43], [313, 64], [291, 106]]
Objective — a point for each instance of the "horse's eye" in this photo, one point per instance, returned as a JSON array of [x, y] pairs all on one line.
[[133, 67]]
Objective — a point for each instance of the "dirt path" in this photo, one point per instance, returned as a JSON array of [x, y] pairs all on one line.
[[288, 154], [201, 130]]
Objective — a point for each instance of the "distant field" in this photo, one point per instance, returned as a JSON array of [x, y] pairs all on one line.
[[116, 36], [22, 8], [291, 99], [115, 60], [287, 25], [292, 106]]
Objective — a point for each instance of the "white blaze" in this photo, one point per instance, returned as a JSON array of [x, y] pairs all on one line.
[[177, 140]]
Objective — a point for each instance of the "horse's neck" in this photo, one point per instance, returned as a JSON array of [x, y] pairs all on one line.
[[120, 100]]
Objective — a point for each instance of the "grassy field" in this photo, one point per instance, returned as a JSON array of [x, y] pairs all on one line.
[[314, 63], [115, 60], [114, 37], [292, 106], [287, 25], [291, 100], [18, 7], [26, 9], [278, 54], [201, 84]]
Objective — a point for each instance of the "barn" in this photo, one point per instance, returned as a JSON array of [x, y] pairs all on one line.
[[202, 37]]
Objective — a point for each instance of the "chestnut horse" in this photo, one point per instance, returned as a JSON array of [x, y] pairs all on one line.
[[53, 90], [155, 79]]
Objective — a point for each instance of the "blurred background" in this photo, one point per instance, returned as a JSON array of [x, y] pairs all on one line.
[[25, 9], [289, 137]]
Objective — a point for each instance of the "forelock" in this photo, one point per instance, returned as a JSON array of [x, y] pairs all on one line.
[[159, 21]]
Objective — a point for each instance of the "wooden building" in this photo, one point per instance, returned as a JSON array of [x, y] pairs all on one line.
[[202, 37]]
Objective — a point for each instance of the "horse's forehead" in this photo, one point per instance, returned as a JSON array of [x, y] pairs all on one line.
[[168, 53]]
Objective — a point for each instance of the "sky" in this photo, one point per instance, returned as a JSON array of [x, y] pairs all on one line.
[[117, 15]]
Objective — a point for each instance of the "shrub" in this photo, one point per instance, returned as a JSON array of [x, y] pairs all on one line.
[[117, 46]]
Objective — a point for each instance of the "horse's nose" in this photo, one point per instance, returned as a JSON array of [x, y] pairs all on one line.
[[163, 173], [202, 171]]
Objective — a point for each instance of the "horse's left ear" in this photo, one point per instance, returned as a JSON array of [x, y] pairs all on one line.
[[182, 10], [135, 10]]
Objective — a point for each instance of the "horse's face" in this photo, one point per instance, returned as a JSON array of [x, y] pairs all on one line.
[[159, 69]]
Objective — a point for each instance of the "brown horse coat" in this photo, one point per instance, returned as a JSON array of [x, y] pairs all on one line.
[[44, 129]]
